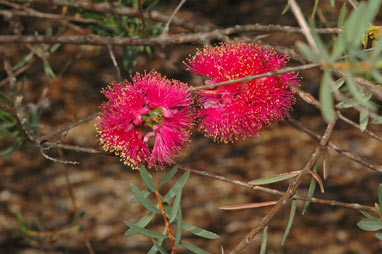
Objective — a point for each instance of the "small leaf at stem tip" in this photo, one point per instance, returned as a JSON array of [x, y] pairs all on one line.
[[326, 97], [248, 205], [145, 232], [290, 221], [312, 187], [274, 179], [263, 247], [379, 236], [363, 119], [318, 179], [380, 194]]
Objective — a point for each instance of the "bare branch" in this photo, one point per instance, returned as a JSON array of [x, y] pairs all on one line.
[[166, 28]]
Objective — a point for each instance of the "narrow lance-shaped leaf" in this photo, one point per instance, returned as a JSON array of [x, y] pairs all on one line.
[[154, 249], [274, 179], [357, 93], [179, 224], [326, 98], [326, 163], [178, 185], [193, 248], [367, 215], [142, 200], [199, 231], [160, 248], [290, 221], [363, 119], [147, 178], [145, 232], [141, 223], [263, 247], [145, 193], [168, 176], [380, 194], [176, 206], [312, 187]]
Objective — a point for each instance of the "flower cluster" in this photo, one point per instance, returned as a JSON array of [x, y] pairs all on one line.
[[241, 109], [148, 121]]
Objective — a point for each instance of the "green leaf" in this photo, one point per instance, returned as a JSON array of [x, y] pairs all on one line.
[[54, 47], [307, 52], [367, 215], [178, 185], [142, 200], [379, 236], [199, 231], [179, 224], [145, 193], [48, 70], [290, 221], [263, 247], [357, 92], [274, 179], [23, 61], [21, 222], [141, 223], [380, 194], [168, 176], [175, 207], [370, 224], [316, 2], [193, 248], [312, 188], [363, 119], [147, 178], [145, 232], [326, 98], [342, 16], [161, 250], [332, 3], [286, 8], [154, 249]]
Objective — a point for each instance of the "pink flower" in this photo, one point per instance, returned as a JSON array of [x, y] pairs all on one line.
[[242, 109], [146, 121]]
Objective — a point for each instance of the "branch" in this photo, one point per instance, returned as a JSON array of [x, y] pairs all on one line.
[[335, 147], [289, 193]]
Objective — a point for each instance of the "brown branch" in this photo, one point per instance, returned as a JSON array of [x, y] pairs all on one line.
[[308, 98], [67, 127], [115, 63], [353, 157], [277, 192], [29, 12], [167, 26], [289, 193], [249, 78]]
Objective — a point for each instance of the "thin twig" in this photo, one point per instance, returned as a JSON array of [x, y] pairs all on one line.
[[288, 194], [249, 78], [308, 98], [164, 215], [67, 127], [277, 192], [353, 157], [166, 28], [304, 26], [118, 70]]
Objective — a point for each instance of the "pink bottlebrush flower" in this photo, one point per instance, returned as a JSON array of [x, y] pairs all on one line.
[[146, 121], [242, 109]]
